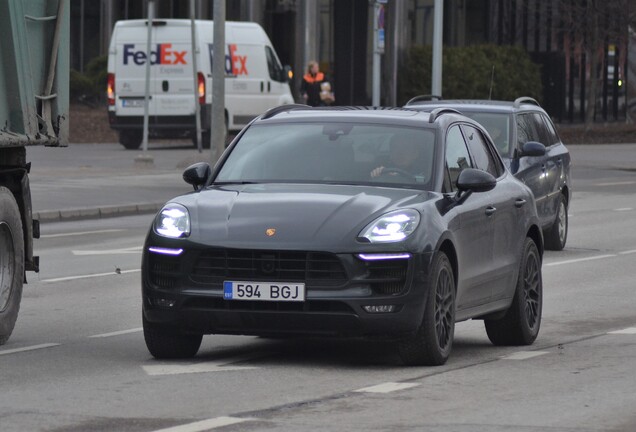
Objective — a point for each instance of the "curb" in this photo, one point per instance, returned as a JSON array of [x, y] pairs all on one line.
[[85, 213]]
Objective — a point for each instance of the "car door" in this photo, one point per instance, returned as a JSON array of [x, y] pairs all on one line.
[[502, 210], [474, 235], [531, 170], [557, 163]]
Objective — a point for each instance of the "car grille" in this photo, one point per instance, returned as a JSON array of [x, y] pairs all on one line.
[[164, 271], [317, 270]]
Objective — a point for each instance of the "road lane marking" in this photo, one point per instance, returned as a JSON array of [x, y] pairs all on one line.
[[205, 425], [80, 233], [221, 365], [524, 355], [629, 252], [387, 387], [578, 260], [617, 183], [130, 250], [631, 330], [29, 348], [117, 333], [88, 276], [623, 209]]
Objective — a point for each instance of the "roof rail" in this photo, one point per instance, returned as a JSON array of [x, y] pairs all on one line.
[[421, 98], [525, 99], [439, 111], [283, 108]]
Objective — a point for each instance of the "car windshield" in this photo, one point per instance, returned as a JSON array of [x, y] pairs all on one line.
[[340, 153], [498, 127]]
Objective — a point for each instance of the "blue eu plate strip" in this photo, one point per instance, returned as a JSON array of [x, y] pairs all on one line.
[[227, 290]]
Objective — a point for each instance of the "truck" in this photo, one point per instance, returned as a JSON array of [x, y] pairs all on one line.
[[34, 111]]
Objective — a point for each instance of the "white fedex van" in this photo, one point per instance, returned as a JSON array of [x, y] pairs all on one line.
[[255, 80]]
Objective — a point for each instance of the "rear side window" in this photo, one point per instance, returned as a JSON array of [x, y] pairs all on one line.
[[457, 157], [543, 135], [483, 157], [273, 65], [553, 138]]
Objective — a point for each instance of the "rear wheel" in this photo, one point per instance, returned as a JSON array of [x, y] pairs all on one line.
[[431, 345], [11, 263], [557, 234], [131, 139], [168, 345], [520, 325]]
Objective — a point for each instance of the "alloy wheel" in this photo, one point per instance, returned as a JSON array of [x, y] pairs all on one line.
[[531, 290], [444, 309]]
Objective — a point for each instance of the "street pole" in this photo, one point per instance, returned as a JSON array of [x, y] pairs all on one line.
[[145, 159], [217, 125], [195, 80], [378, 48], [438, 35]]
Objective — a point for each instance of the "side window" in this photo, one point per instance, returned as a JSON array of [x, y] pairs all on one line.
[[525, 131], [543, 136], [273, 65], [482, 156], [457, 156], [552, 134]]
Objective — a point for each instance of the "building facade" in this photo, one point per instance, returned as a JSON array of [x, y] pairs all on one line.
[[339, 35]]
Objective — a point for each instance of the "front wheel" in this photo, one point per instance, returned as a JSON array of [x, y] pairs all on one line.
[[167, 345], [11, 263], [520, 325], [557, 234], [431, 345]]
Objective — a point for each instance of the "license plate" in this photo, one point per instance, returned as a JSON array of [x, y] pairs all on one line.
[[264, 291], [133, 103]]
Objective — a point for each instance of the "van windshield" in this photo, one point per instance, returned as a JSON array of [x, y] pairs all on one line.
[[340, 153]]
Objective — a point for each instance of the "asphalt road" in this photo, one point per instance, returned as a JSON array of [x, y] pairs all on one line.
[[77, 360]]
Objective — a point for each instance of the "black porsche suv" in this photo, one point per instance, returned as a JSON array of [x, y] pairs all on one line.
[[516, 128]]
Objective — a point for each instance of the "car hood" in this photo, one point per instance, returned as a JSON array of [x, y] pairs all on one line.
[[291, 216]]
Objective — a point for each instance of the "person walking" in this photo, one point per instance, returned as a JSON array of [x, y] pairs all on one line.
[[311, 88]]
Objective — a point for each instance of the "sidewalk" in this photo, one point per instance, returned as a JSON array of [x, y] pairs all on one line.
[[85, 181]]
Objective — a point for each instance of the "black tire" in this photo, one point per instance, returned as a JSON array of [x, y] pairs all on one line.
[[520, 325], [11, 263], [168, 345], [557, 234], [131, 139], [432, 344]]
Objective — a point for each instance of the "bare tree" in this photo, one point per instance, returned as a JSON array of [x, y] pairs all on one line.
[[592, 25]]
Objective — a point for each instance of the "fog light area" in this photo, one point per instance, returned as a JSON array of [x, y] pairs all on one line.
[[164, 302], [380, 309]]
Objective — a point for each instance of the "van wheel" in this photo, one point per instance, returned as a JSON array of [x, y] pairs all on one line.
[[11, 263], [131, 139]]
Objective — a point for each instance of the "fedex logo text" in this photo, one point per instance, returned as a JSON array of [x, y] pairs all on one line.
[[163, 54], [234, 64]]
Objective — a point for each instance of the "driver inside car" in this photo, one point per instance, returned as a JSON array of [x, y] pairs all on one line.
[[404, 159]]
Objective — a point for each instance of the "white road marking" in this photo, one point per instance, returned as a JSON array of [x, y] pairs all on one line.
[[629, 252], [623, 209], [631, 330], [117, 333], [29, 348], [222, 365], [524, 355], [130, 250], [94, 275], [387, 387], [617, 183], [81, 233], [572, 261], [205, 425]]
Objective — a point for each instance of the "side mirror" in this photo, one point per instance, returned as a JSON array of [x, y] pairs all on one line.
[[474, 180], [198, 174], [532, 149]]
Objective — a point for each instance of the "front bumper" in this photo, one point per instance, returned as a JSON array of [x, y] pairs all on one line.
[[184, 293]]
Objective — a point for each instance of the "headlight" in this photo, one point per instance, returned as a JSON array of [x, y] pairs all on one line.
[[392, 227], [173, 221]]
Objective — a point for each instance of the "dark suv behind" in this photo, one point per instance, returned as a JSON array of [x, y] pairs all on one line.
[[520, 130]]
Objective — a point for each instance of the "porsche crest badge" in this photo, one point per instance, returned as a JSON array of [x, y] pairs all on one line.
[[270, 232]]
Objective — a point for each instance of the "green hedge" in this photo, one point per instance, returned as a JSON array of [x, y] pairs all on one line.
[[90, 85], [467, 71]]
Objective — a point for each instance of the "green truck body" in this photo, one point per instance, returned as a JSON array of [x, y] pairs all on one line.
[[34, 104]]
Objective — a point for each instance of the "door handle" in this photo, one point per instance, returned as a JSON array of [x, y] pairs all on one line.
[[520, 203], [269, 86], [490, 210]]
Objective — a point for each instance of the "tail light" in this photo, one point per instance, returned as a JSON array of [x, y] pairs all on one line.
[[110, 89], [201, 87]]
